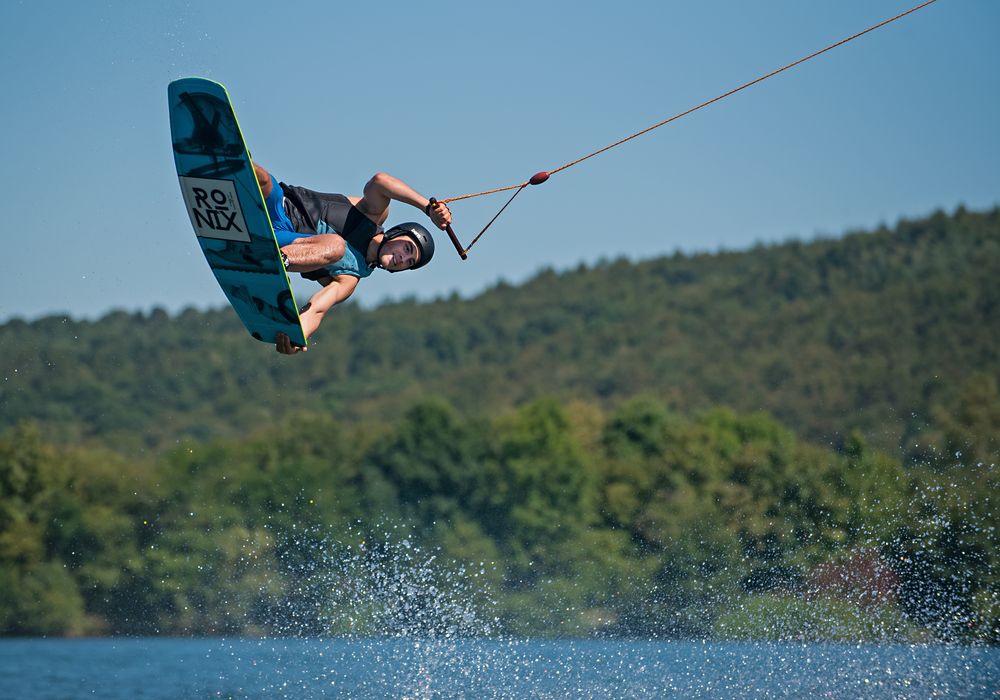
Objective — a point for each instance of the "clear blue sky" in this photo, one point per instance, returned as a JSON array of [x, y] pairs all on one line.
[[456, 97]]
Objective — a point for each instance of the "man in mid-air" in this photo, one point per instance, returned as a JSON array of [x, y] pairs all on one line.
[[339, 240]]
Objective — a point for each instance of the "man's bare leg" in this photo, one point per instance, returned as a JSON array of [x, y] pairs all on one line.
[[313, 252]]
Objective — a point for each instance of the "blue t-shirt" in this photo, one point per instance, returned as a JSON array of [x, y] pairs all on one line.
[[353, 263]]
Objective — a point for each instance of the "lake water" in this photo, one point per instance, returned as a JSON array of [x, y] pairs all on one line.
[[296, 668]]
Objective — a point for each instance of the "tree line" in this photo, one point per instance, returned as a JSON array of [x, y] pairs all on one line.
[[874, 332]]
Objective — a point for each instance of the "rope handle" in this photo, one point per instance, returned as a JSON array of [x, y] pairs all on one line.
[[463, 253]]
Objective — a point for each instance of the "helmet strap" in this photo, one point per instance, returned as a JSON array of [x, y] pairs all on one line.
[[378, 256]]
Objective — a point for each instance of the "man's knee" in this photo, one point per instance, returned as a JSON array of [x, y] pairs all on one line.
[[333, 246], [263, 179]]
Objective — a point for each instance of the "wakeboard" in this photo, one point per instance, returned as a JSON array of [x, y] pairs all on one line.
[[227, 210]]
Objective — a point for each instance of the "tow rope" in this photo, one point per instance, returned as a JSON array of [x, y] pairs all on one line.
[[540, 177]]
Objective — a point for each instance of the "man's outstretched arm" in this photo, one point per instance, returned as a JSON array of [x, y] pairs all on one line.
[[384, 188]]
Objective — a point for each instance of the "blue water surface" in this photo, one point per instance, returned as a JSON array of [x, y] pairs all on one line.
[[338, 668]]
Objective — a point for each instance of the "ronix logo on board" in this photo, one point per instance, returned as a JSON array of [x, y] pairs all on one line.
[[214, 209]]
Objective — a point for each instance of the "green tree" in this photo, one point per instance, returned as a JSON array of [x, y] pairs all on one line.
[[37, 594]]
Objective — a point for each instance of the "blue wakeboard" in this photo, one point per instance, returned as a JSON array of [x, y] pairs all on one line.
[[227, 211]]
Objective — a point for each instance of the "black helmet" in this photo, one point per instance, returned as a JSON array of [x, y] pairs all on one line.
[[420, 235]]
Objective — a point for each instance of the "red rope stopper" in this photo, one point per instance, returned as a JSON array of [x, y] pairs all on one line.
[[538, 178]]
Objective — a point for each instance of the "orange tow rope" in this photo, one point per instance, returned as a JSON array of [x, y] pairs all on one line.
[[539, 178]]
